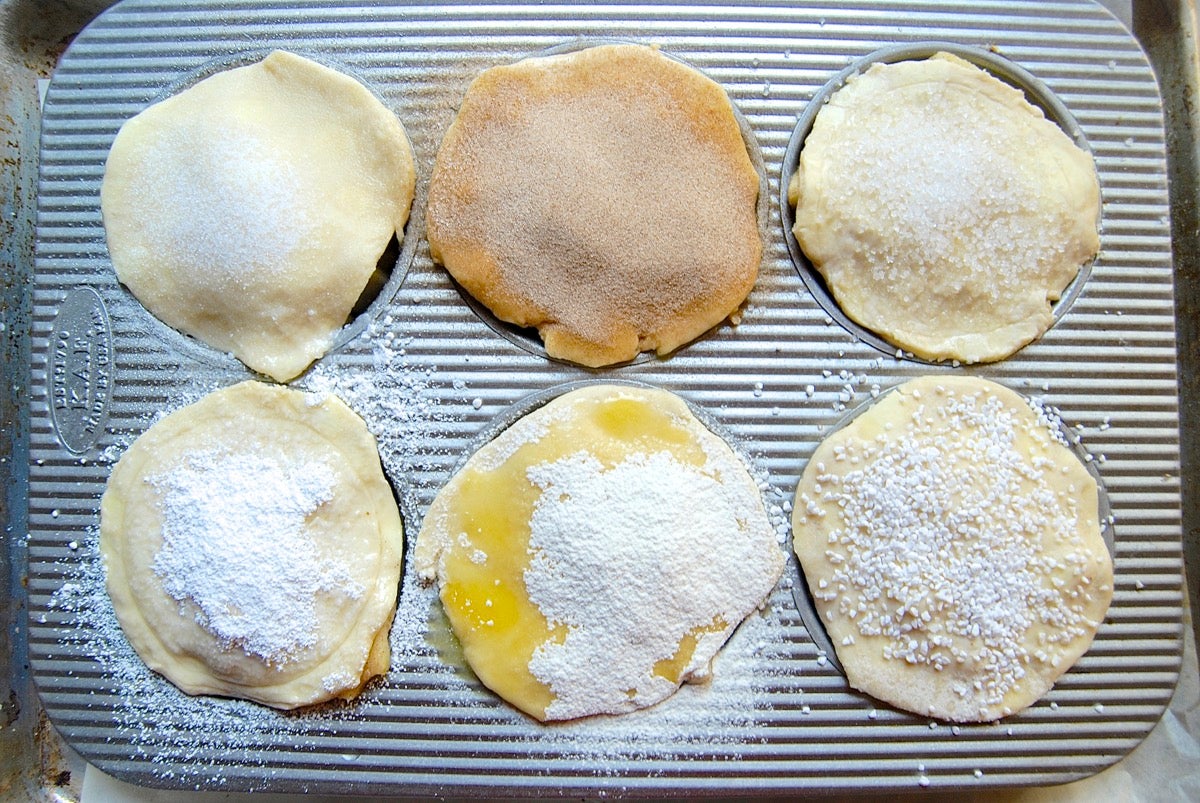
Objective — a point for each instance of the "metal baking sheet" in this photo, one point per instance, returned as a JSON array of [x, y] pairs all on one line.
[[429, 376]]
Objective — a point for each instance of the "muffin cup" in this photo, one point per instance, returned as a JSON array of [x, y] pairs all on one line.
[[1035, 91], [392, 267], [803, 596], [527, 338]]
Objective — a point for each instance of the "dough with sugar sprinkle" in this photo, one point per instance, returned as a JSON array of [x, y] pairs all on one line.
[[944, 211], [252, 547], [598, 553], [951, 544], [604, 196], [251, 209]]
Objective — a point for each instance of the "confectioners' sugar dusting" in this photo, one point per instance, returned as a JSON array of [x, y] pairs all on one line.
[[239, 208], [234, 544], [336, 682], [401, 402], [161, 723], [940, 542], [719, 715], [410, 636], [527, 429], [624, 541], [405, 405], [171, 729]]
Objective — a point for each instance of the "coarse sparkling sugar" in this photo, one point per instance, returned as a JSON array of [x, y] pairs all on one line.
[[934, 548]]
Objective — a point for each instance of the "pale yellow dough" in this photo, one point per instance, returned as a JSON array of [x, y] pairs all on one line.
[[953, 550], [603, 196], [252, 547], [943, 210], [250, 210], [598, 553]]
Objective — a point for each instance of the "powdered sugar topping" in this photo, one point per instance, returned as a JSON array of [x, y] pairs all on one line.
[[234, 544], [633, 559]]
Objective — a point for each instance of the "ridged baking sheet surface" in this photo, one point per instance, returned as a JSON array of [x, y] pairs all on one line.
[[429, 377]]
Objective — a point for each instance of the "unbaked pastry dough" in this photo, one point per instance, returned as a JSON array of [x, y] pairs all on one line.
[[251, 209], [598, 553], [604, 196], [952, 547], [943, 210], [252, 547]]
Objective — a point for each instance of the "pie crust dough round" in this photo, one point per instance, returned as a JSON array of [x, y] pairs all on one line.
[[944, 211], [251, 209], [598, 553], [252, 547], [603, 196], [952, 547]]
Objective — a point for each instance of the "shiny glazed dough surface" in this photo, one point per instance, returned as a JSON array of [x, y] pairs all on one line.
[[598, 553]]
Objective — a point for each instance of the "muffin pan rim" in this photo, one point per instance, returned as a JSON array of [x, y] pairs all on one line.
[[889, 744]]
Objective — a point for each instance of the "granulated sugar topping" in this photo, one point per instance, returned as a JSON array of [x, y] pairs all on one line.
[[234, 544], [239, 209], [945, 212], [952, 205], [632, 560]]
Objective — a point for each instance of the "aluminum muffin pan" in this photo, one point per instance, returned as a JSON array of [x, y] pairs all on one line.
[[429, 376]]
